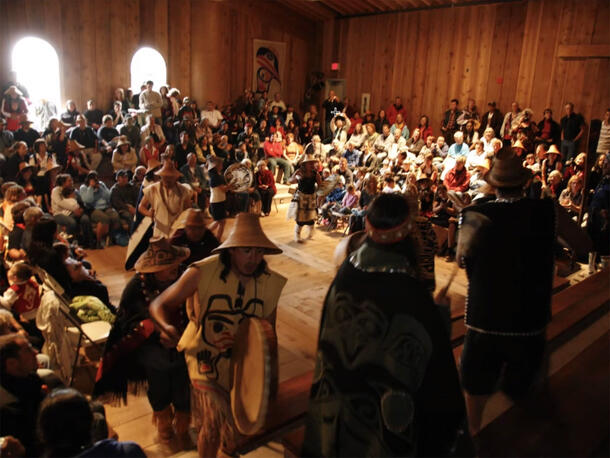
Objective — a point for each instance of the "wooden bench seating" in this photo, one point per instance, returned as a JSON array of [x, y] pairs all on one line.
[[570, 307]]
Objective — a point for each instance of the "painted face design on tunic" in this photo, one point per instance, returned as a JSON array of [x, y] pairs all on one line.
[[369, 368], [219, 325]]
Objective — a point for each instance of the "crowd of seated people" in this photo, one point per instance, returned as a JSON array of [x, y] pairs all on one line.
[[57, 202], [142, 129]]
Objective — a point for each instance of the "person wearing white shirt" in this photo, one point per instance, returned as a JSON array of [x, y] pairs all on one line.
[[277, 101], [212, 115], [488, 136], [152, 129], [151, 101], [398, 144], [339, 127], [476, 155], [384, 142]]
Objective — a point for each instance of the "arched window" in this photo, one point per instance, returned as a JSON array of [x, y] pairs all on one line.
[[36, 66], [147, 64]]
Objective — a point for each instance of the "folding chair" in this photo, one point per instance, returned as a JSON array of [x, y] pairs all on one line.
[[96, 332]]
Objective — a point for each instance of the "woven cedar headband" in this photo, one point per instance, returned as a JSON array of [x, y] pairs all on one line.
[[390, 235]]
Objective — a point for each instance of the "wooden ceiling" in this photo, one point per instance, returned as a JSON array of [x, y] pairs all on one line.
[[329, 9]]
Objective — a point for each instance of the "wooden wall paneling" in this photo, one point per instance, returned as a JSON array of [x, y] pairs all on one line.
[[384, 58], [529, 49], [70, 54], [500, 37], [436, 34], [120, 55], [513, 52], [452, 52], [147, 20], [53, 22], [179, 39], [422, 23], [103, 56], [345, 55], [601, 91], [545, 56], [484, 51], [237, 43], [203, 63], [5, 52], [326, 57], [442, 82], [34, 15], [558, 70], [601, 31], [467, 69], [366, 35], [591, 81], [88, 63], [131, 10], [161, 12], [581, 33], [405, 57]]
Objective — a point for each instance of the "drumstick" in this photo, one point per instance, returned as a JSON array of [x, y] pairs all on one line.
[[442, 293]]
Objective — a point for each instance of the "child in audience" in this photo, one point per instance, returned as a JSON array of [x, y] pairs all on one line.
[[23, 295]]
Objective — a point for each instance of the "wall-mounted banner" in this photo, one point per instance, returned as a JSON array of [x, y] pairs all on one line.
[[268, 69]]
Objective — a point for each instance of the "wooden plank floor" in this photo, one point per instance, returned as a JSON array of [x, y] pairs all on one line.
[[309, 268]]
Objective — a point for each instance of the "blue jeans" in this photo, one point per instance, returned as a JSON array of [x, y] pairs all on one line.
[[66, 221], [568, 149], [283, 163]]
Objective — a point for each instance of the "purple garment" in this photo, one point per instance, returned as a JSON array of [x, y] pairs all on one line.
[[349, 200]]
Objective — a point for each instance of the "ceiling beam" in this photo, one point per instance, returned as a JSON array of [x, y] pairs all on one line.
[[431, 7]]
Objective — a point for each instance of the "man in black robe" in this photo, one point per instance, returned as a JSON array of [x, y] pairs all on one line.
[[385, 382]]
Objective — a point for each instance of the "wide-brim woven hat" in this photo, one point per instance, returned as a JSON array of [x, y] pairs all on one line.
[[519, 144], [309, 158], [161, 255], [168, 170], [248, 233], [507, 171], [123, 141], [553, 150], [52, 164], [153, 165]]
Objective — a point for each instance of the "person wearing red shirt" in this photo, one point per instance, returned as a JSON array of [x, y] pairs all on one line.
[[275, 152], [265, 185], [394, 109], [458, 178]]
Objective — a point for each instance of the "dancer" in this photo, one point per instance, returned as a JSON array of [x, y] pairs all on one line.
[[139, 354], [164, 201], [385, 382], [307, 178], [233, 285]]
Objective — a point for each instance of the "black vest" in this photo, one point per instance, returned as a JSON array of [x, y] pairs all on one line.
[[511, 273]]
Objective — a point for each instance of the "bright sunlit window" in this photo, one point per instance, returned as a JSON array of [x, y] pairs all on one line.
[[147, 64], [36, 65]]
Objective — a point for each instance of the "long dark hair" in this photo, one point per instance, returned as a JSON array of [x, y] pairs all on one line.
[[225, 259]]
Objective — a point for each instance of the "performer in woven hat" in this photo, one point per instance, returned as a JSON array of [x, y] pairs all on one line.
[[138, 353], [385, 382], [196, 236], [307, 178], [166, 200], [234, 284], [506, 246]]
